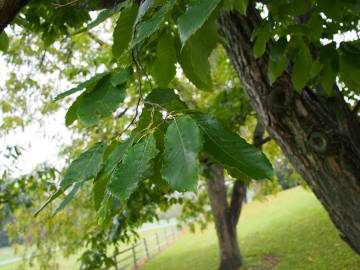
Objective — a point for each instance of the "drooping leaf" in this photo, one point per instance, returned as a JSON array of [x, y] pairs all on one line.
[[101, 102], [54, 196], [163, 69], [195, 16], [301, 71], [103, 16], [69, 197], [329, 59], [71, 114], [167, 99], [277, 60], [261, 35], [143, 9], [86, 166], [231, 150], [131, 171], [194, 57], [88, 84], [349, 65], [4, 41], [180, 158], [150, 26], [115, 157], [122, 34]]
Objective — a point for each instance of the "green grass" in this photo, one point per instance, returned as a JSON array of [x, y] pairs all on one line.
[[289, 231]]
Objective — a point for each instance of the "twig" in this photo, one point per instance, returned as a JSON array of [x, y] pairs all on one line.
[[56, 5]]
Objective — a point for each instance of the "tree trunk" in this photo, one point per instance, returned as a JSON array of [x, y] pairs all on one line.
[[225, 216], [8, 10], [319, 135]]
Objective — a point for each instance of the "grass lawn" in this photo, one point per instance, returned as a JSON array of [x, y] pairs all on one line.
[[289, 231]]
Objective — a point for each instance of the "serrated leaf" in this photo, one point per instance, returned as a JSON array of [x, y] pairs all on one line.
[[301, 70], [195, 16], [69, 197], [231, 150], [86, 166], [167, 99], [131, 171], [150, 26], [122, 34], [115, 157], [194, 57], [180, 158], [101, 102], [4, 41], [88, 84], [163, 69]]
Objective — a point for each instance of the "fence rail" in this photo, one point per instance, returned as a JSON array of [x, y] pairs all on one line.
[[137, 254], [147, 247]]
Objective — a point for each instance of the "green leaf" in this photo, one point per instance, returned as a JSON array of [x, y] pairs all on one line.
[[118, 151], [349, 65], [231, 150], [329, 59], [166, 99], [194, 57], [301, 69], [103, 16], [71, 114], [86, 166], [101, 102], [150, 26], [144, 8], [180, 159], [262, 34], [4, 41], [277, 60], [122, 34], [88, 84], [54, 196], [242, 6], [131, 171], [69, 197], [196, 14], [163, 69]]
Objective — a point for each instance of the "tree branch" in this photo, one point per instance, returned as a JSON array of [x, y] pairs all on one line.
[[237, 198]]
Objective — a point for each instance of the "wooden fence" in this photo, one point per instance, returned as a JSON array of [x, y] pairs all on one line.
[[136, 255]]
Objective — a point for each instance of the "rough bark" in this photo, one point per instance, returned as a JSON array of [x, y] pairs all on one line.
[[8, 10], [225, 216], [320, 136]]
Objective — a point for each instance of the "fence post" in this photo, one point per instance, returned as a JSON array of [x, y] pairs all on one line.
[[134, 256], [146, 248], [157, 241], [166, 237]]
